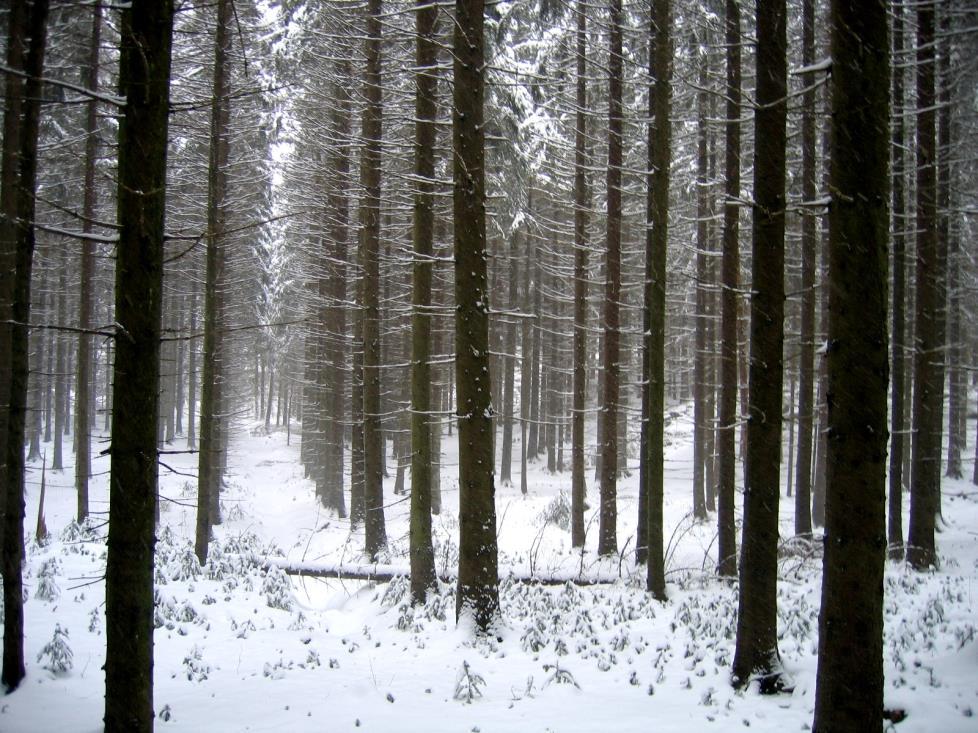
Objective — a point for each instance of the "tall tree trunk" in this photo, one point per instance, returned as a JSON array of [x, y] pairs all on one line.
[[656, 241], [83, 383], [144, 78], [608, 436], [478, 584], [806, 355], [581, 206], [701, 427], [509, 360], [27, 27], [192, 371], [60, 375], [898, 358], [928, 379], [375, 535], [425, 105], [730, 277], [209, 476], [757, 654], [850, 648]]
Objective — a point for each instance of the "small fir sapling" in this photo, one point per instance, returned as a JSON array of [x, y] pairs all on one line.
[[57, 655], [468, 685]]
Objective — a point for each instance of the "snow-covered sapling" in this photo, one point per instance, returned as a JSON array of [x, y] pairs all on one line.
[[469, 684], [57, 655]]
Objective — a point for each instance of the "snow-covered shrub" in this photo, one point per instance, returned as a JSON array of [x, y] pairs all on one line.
[[557, 512], [56, 654], [47, 587], [559, 675], [194, 666], [277, 589], [468, 684]]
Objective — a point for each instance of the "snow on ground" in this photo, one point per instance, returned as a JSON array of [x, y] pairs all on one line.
[[242, 649]]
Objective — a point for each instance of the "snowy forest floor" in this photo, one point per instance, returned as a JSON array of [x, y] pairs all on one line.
[[239, 648]]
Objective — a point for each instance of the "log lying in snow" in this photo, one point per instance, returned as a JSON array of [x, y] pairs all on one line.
[[377, 573]]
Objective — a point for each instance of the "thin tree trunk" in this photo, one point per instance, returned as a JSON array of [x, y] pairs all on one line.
[[608, 437], [83, 383], [209, 477], [581, 207], [806, 355], [928, 357], [426, 55], [730, 276], [898, 358]]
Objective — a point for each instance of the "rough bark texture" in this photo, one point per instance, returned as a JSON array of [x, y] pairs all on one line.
[[898, 359], [660, 139], [375, 533], [757, 654], [426, 56], [478, 584], [581, 204], [730, 277], [806, 352], [608, 428], [928, 375], [208, 466], [146, 30], [27, 31], [850, 648]]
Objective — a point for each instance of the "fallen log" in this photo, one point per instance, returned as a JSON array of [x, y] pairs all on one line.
[[380, 573]]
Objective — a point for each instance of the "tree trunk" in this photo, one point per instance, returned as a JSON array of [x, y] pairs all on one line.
[[656, 241], [701, 427], [209, 476], [757, 654], [730, 276], [509, 359], [806, 352], [27, 26], [581, 206], [83, 383], [478, 591], [144, 78], [608, 437], [375, 535], [928, 380], [426, 55], [850, 649], [898, 358]]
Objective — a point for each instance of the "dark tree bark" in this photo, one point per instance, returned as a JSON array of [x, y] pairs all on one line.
[[656, 241], [949, 254], [806, 355], [509, 378], [581, 206], [332, 474], [375, 534], [898, 359], [478, 584], [209, 471], [192, 371], [608, 429], [730, 277], [850, 649], [928, 394], [757, 656], [26, 45], [144, 77], [701, 418], [426, 81]]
